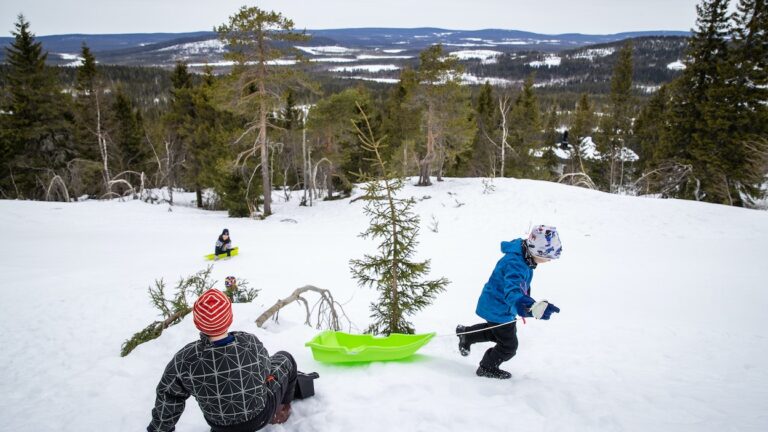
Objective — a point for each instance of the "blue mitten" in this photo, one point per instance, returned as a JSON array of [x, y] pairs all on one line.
[[543, 310], [524, 305]]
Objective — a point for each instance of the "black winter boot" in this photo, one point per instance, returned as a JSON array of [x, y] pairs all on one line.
[[463, 344], [493, 373]]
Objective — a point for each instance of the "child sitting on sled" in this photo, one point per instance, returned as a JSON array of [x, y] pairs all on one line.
[[223, 245], [507, 294]]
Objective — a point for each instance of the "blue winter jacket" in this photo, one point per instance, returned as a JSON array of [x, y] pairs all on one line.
[[509, 282]]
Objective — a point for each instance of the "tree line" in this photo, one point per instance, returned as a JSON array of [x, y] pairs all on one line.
[[97, 131]]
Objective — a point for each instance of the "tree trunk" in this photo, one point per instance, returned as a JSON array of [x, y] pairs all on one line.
[[265, 177], [199, 196], [304, 160], [102, 145], [426, 162]]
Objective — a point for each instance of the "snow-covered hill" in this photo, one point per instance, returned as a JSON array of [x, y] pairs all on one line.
[[661, 328]]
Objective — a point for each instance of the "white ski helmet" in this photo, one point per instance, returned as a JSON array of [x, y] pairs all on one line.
[[544, 242]]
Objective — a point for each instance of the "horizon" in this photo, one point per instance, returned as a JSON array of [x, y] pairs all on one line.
[[362, 28], [598, 17]]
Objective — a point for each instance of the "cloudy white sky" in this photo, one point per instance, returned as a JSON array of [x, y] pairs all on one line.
[[541, 16]]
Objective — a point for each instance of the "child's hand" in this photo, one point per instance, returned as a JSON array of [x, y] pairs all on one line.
[[543, 310]]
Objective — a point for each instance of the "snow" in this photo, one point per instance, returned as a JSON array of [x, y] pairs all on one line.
[[75, 60], [333, 60], [276, 62], [379, 57], [379, 80], [468, 45], [513, 42], [592, 53], [647, 88], [68, 56], [365, 68], [320, 50], [200, 47], [487, 56], [589, 151], [549, 61], [676, 65], [469, 79], [662, 322]]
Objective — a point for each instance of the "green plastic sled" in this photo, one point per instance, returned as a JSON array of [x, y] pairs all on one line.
[[339, 347], [209, 257]]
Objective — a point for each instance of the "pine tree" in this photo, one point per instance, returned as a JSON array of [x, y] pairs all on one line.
[[332, 121], [37, 129], [448, 126], [392, 271], [401, 121], [252, 35]]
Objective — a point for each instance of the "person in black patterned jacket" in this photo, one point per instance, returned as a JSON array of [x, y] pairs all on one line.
[[238, 386]]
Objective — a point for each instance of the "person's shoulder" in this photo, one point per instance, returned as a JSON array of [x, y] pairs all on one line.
[[188, 349], [246, 337]]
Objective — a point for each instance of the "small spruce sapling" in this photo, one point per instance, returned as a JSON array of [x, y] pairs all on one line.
[[391, 270]]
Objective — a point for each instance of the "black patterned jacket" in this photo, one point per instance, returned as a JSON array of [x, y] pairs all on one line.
[[227, 381]]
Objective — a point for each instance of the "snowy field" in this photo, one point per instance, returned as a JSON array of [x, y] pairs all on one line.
[[662, 324]]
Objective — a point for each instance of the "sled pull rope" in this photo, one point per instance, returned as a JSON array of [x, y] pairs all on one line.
[[477, 331]]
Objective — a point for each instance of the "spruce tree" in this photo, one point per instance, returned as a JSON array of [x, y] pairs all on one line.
[[616, 125], [693, 112], [551, 139], [127, 133], [651, 132], [746, 90], [484, 157], [37, 129], [583, 126], [525, 132], [392, 270], [87, 111]]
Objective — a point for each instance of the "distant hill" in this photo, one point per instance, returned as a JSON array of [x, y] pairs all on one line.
[[504, 57], [164, 49]]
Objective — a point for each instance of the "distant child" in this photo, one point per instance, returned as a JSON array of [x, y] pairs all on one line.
[[223, 244], [507, 294]]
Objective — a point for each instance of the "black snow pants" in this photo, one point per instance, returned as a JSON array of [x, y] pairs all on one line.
[[504, 336]]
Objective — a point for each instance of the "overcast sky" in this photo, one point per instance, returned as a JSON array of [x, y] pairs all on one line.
[[540, 16]]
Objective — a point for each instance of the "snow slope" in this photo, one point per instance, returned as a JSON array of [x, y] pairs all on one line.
[[661, 326]]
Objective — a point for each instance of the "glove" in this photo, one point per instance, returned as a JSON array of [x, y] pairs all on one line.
[[543, 310], [523, 306]]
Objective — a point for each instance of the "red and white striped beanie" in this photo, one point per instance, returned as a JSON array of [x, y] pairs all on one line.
[[212, 313]]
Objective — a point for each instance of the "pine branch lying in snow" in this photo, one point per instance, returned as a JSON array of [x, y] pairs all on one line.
[[174, 310]]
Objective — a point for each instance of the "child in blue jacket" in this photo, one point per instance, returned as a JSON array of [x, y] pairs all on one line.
[[508, 294]]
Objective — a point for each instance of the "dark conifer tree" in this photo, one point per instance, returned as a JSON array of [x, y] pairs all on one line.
[[37, 127]]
